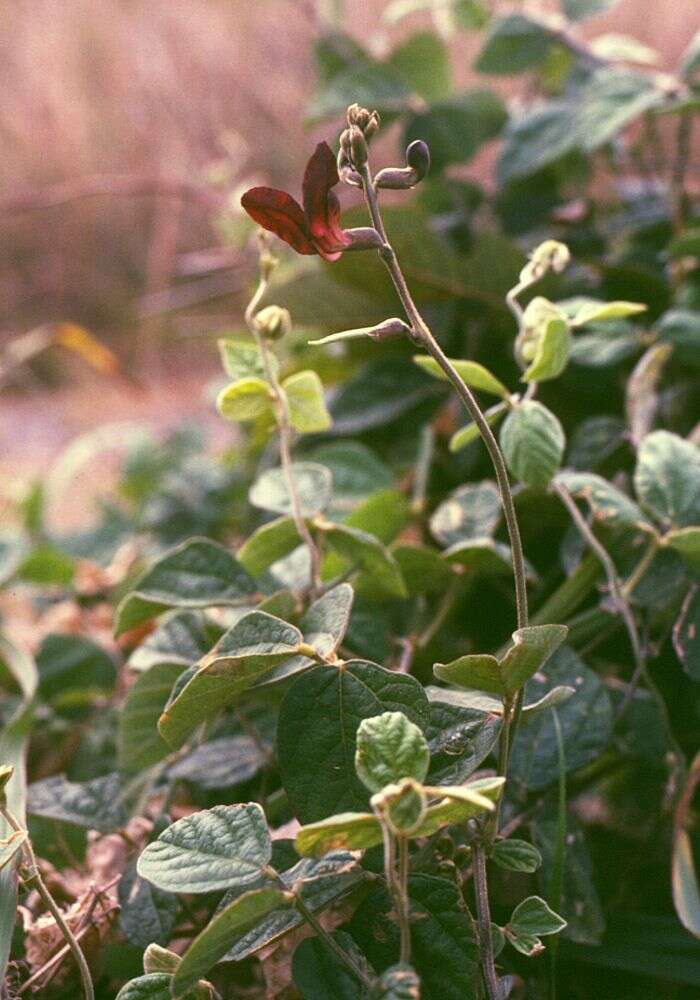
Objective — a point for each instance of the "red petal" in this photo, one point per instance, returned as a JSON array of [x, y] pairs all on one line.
[[281, 214], [321, 206]]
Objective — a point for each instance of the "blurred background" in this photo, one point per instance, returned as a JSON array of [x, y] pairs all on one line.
[[129, 129]]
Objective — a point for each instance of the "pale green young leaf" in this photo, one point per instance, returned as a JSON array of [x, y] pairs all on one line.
[[210, 850], [313, 485], [474, 374], [307, 407], [346, 831], [463, 802], [242, 358], [365, 551], [470, 432], [477, 670], [552, 350], [557, 696], [533, 443], [531, 648], [591, 311], [246, 399], [390, 747], [534, 916]]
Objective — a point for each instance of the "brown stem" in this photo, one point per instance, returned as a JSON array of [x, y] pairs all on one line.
[[34, 879], [484, 920]]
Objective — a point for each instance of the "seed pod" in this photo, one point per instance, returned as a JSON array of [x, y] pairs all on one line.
[[273, 322]]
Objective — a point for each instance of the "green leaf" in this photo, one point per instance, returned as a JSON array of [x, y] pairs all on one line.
[[533, 916], [537, 139], [459, 737], [687, 542], [319, 975], [351, 831], [443, 949], [550, 347], [423, 569], [47, 565], [514, 43], [586, 723], [313, 484], [307, 407], [390, 747], [608, 505], [470, 432], [460, 803], [221, 763], [556, 696], [357, 473], [579, 10], [242, 358], [147, 915], [594, 440], [533, 443], [267, 544], [455, 128], [197, 574], [527, 944], [139, 744], [222, 932], [155, 986], [10, 845], [255, 644], [94, 804], [381, 392], [317, 761], [246, 399], [667, 479], [481, 556], [516, 855], [474, 374], [686, 633], [180, 638], [209, 850], [470, 511], [67, 662], [613, 99], [423, 62], [367, 552], [592, 311], [530, 649], [326, 621]]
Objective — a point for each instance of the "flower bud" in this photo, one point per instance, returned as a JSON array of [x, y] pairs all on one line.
[[418, 157], [358, 146], [372, 126], [345, 146], [273, 322], [358, 116], [548, 256], [363, 238]]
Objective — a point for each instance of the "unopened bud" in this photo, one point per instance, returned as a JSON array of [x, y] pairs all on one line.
[[372, 126], [358, 146], [548, 256], [418, 157], [358, 116], [363, 238], [345, 146], [273, 322]]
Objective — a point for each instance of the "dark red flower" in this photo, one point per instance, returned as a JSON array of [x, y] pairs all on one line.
[[315, 228]]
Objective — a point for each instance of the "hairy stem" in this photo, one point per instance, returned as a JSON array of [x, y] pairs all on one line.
[[397, 885], [34, 879], [285, 431], [421, 334], [483, 912]]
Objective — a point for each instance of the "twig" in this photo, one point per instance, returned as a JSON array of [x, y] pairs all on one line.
[[34, 879], [484, 920]]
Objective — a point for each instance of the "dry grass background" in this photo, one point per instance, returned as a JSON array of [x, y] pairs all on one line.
[[177, 89]]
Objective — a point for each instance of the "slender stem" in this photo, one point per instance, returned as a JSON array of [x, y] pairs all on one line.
[[422, 469], [422, 334], [330, 942], [285, 429], [640, 569], [483, 913], [34, 879], [441, 614], [402, 892], [556, 882]]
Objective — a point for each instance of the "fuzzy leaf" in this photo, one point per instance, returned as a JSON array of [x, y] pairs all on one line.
[[246, 399], [534, 916], [516, 855], [313, 483], [667, 479], [270, 542], [533, 442], [471, 511], [209, 850], [390, 747], [474, 374], [307, 407]]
